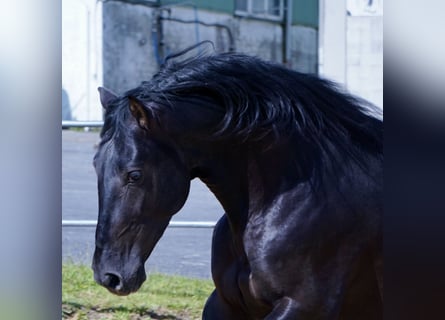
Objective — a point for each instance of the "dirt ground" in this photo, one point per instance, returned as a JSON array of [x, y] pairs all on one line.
[[70, 312]]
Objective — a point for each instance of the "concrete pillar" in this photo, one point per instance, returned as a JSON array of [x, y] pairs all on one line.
[[332, 40]]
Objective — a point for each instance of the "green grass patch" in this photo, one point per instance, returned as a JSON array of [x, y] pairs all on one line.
[[160, 297]]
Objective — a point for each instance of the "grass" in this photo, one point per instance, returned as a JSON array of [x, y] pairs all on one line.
[[160, 297]]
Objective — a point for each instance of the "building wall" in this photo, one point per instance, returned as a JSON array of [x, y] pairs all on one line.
[[364, 57], [130, 56], [81, 59], [254, 37], [111, 44], [304, 49], [118, 36], [351, 46]]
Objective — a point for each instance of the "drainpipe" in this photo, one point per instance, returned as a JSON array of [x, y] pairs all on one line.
[[287, 32], [88, 64]]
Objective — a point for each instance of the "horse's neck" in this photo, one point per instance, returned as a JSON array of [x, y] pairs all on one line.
[[250, 181], [247, 180], [226, 177], [271, 173]]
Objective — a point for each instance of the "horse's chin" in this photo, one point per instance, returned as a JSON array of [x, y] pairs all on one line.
[[122, 293]]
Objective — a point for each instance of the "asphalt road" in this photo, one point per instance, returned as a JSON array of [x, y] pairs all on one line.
[[183, 251]]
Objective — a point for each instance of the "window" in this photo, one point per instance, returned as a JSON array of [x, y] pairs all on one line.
[[264, 9]]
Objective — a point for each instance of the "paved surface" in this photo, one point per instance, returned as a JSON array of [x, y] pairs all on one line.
[[180, 251]]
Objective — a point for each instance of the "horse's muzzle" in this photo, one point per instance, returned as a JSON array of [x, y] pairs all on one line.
[[119, 285], [120, 281]]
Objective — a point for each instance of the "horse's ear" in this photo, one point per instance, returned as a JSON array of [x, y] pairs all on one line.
[[139, 112], [106, 96]]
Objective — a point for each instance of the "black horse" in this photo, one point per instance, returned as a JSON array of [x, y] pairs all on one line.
[[295, 162]]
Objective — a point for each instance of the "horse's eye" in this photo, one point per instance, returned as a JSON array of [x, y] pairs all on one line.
[[134, 176]]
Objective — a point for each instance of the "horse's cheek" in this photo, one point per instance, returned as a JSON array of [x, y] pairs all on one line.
[[172, 191], [178, 193]]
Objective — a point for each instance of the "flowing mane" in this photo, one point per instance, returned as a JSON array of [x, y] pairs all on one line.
[[259, 99]]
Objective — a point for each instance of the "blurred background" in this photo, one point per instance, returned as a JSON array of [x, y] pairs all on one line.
[[119, 43]]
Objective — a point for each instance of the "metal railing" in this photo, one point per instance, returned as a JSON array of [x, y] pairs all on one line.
[[172, 224], [81, 124]]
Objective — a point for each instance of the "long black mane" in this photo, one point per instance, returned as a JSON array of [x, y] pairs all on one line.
[[259, 99]]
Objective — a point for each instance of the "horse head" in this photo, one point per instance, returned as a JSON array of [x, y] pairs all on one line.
[[142, 183]]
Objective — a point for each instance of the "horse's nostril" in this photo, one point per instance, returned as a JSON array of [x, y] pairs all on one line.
[[112, 281]]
